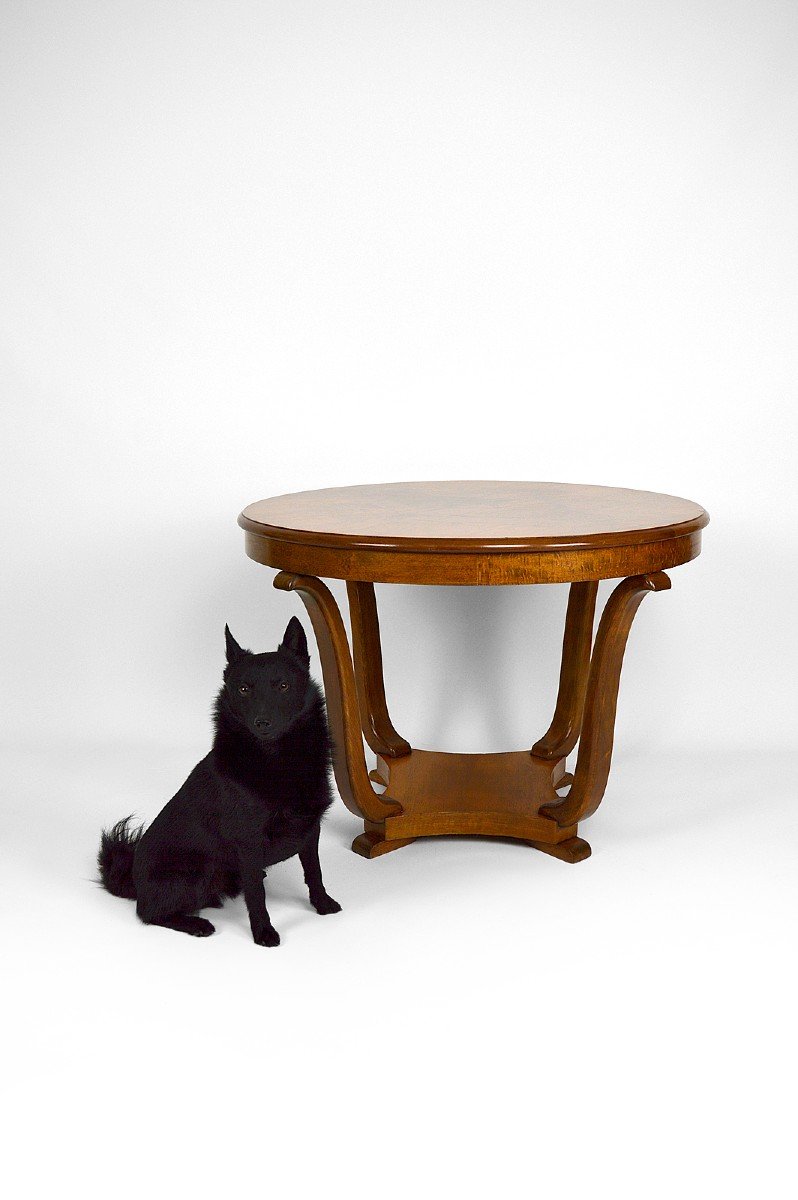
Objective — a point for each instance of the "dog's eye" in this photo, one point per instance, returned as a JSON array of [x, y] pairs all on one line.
[[244, 688], [283, 686]]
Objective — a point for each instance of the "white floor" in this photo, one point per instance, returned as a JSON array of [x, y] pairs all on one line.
[[479, 1020]]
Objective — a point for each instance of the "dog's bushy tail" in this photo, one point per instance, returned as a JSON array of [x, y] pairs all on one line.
[[115, 858]]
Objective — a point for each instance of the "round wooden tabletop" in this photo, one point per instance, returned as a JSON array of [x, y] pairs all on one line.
[[473, 532]]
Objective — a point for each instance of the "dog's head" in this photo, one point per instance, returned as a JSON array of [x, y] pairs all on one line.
[[267, 693]]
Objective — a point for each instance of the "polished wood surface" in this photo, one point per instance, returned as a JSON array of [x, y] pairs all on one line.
[[395, 566], [340, 694], [598, 724], [367, 651], [496, 795], [487, 514], [563, 733], [473, 533]]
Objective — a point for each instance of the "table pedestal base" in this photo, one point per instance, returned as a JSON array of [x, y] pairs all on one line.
[[489, 795], [512, 795]]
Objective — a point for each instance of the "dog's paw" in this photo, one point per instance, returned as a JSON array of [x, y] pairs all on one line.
[[201, 928], [267, 937], [325, 905]]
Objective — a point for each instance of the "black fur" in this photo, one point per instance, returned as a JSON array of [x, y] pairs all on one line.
[[256, 799], [115, 858]]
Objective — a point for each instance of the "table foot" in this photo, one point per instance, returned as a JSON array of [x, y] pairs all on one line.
[[372, 845], [573, 850]]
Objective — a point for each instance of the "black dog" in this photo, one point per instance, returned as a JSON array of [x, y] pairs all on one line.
[[256, 799]]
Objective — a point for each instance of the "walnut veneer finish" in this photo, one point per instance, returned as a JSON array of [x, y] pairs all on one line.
[[473, 532]]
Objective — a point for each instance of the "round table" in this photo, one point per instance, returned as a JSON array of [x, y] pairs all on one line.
[[473, 532]]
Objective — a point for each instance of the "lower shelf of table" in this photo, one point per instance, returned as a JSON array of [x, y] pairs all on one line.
[[490, 795]]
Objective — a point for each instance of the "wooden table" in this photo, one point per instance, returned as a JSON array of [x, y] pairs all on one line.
[[473, 532]]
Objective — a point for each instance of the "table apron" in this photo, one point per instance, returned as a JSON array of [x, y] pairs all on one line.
[[470, 569]]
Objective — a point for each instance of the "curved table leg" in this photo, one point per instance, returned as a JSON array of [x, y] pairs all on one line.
[[563, 733], [595, 747], [341, 695], [377, 727]]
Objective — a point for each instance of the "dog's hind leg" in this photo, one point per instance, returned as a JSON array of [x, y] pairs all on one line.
[[186, 923], [172, 902], [223, 883], [309, 857]]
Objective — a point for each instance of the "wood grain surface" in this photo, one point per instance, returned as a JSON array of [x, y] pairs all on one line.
[[473, 532], [474, 514]]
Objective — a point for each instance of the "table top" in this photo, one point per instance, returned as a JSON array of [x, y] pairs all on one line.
[[485, 513], [350, 528]]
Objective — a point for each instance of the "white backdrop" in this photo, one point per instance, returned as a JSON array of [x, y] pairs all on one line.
[[252, 248]]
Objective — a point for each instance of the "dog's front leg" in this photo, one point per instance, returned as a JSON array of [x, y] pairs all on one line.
[[309, 857], [263, 931]]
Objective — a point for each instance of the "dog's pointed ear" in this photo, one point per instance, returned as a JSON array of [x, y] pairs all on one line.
[[294, 642], [234, 651]]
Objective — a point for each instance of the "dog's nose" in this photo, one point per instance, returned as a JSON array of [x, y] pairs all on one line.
[[262, 723]]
